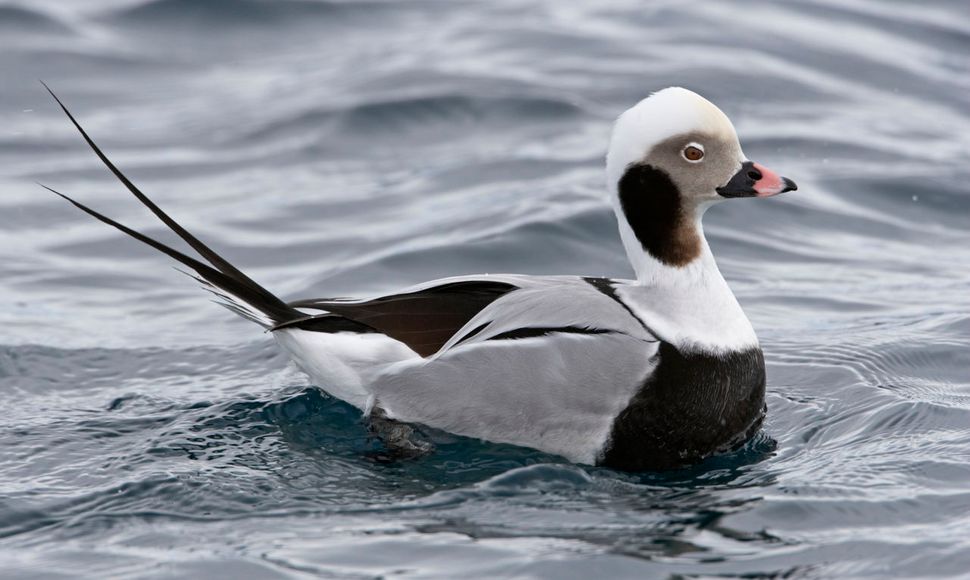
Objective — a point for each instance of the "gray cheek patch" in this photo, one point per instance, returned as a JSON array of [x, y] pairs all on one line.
[[697, 179]]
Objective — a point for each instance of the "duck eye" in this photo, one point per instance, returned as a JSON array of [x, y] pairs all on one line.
[[693, 152]]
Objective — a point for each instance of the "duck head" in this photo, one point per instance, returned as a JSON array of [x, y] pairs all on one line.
[[672, 156]]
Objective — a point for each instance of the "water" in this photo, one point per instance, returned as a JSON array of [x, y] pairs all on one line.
[[333, 148]]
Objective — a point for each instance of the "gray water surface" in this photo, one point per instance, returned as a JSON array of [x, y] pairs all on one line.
[[340, 148]]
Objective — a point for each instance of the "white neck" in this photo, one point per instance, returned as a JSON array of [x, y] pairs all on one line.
[[690, 306]]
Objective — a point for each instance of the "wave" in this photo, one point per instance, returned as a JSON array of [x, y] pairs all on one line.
[[19, 20], [200, 13], [448, 113]]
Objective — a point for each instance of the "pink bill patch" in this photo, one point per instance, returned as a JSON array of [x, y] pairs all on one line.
[[770, 183]]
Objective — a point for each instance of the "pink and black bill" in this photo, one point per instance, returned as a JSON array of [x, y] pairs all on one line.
[[756, 180]]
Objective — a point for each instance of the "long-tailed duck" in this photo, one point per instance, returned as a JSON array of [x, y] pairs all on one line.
[[651, 373]]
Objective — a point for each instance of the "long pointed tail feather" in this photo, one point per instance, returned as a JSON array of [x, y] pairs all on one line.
[[240, 297], [242, 294]]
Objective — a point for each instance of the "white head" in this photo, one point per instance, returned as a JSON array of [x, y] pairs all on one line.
[[671, 157]]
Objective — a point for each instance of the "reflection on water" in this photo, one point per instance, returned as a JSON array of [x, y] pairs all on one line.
[[336, 148]]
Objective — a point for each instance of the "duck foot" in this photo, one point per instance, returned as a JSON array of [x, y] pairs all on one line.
[[400, 440]]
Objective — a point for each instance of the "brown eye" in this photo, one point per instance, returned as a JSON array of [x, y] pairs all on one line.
[[693, 153]]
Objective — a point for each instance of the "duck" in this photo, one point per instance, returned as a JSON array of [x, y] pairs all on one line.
[[653, 373]]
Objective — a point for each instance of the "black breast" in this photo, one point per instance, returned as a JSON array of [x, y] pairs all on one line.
[[692, 406]]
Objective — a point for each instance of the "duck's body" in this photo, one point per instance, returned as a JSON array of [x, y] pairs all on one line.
[[650, 373], [567, 365]]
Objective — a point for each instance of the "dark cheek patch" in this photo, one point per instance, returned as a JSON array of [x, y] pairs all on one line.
[[654, 209]]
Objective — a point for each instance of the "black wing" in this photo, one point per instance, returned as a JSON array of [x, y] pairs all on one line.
[[424, 320]]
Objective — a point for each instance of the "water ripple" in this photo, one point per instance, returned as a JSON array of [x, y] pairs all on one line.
[[339, 148]]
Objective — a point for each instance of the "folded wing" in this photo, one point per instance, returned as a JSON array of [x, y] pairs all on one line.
[[423, 319]]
